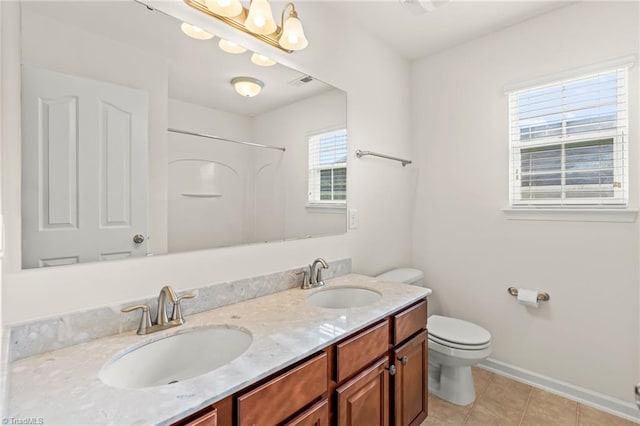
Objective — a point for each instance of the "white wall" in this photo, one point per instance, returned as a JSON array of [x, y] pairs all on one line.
[[375, 79], [290, 126], [587, 334]]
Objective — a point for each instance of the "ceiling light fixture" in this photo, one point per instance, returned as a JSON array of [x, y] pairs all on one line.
[[258, 21], [195, 32], [247, 86], [262, 60], [231, 47]]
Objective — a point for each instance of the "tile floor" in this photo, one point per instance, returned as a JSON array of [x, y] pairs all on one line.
[[501, 401]]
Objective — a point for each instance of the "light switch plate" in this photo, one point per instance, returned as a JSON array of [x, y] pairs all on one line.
[[353, 219]]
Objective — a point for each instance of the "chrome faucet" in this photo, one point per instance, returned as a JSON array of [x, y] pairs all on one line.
[[161, 315], [315, 272], [162, 321]]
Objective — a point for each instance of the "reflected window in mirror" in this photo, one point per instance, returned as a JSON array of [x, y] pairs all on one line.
[[328, 168]]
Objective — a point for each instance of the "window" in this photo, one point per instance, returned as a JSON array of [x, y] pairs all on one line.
[[568, 142], [328, 168]]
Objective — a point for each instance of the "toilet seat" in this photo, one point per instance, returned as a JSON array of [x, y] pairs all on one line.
[[456, 333], [456, 345]]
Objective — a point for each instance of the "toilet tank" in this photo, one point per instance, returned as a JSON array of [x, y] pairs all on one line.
[[404, 275]]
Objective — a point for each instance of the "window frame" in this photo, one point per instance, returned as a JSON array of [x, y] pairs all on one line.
[[619, 135], [314, 194]]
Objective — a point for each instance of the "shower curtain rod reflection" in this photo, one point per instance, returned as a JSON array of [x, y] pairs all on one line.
[[219, 138]]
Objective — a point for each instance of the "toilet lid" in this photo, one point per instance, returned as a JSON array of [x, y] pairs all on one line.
[[454, 345], [457, 331]]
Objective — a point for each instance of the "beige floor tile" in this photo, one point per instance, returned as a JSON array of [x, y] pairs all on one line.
[[502, 403], [442, 413], [505, 402], [588, 416], [481, 416], [481, 379], [547, 409]]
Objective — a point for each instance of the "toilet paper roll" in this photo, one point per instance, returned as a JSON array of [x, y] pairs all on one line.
[[528, 297]]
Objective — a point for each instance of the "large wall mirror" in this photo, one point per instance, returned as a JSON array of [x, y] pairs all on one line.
[[135, 142]]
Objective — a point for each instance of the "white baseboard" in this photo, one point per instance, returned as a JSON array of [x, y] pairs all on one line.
[[584, 396]]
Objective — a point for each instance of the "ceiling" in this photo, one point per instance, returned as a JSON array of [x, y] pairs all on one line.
[[415, 35], [199, 71]]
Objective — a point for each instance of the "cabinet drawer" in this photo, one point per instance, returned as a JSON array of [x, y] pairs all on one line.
[[409, 321], [317, 415], [280, 398], [209, 418], [361, 350]]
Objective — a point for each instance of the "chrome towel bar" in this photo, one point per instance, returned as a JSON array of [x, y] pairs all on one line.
[[360, 153]]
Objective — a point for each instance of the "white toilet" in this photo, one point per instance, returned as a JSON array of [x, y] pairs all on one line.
[[454, 346]]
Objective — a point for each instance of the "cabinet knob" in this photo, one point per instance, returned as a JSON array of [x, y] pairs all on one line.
[[392, 370], [404, 360]]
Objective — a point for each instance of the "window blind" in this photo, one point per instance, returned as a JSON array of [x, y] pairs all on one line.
[[328, 167], [568, 142]]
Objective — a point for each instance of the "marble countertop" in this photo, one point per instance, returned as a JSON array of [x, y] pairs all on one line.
[[63, 387]]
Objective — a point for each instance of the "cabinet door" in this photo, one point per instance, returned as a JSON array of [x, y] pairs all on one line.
[[410, 382], [317, 415], [364, 400]]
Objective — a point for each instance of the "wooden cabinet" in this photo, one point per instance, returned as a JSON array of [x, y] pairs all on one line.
[[355, 353], [409, 321], [410, 381], [208, 417], [364, 400], [376, 376], [285, 395], [316, 415]]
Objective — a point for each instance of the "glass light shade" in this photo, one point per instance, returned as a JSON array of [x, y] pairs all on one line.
[[247, 86], [262, 60], [293, 37], [227, 8], [231, 47], [260, 19], [195, 32]]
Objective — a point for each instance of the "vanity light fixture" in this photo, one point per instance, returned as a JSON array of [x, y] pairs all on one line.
[[226, 8], [292, 37], [247, 86], [262, 60], [231, 47], [195, 32], [258, 21]]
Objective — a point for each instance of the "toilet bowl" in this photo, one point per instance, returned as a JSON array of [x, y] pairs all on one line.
[[454, 347]]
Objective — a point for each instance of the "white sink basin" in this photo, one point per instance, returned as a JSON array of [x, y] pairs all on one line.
[[176, 358], [344, 297]]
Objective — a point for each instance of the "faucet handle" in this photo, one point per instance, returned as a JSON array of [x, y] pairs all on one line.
[[177, 307], [305, 278], [145, 320]]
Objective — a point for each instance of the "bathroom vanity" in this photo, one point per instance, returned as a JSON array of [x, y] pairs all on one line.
[[374, 376], [306, 365]]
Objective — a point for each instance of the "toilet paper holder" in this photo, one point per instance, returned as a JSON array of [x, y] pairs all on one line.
[[542, 296]]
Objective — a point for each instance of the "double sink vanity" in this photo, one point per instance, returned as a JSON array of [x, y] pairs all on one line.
[[353, 352]]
